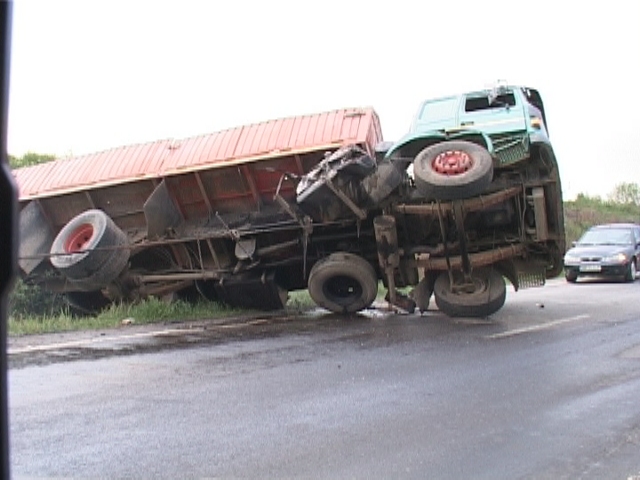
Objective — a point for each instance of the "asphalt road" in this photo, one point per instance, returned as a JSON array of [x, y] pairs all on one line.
[[547, 388]]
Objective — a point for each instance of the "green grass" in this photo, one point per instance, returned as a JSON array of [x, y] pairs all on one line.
[[149, 311], [300, 300]]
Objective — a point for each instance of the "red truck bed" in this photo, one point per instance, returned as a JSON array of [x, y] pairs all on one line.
[[232, 170]]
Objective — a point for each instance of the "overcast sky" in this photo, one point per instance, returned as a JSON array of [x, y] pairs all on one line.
[[87, 76]]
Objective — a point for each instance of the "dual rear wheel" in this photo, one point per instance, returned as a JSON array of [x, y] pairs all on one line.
[[91, 252], [90, 249]]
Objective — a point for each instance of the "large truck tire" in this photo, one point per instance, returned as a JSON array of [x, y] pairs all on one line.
[[452, 170], [487, 297], [343, 283], [90, 248]]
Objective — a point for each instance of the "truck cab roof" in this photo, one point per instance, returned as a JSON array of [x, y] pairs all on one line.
[[502, 108]]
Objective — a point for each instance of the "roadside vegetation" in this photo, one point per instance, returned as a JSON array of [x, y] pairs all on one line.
[[622, 205], [29, 159], [151, 310], [32, 310]]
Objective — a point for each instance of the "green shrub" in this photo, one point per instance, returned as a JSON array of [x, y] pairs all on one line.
[[29, 159], [32, 301]]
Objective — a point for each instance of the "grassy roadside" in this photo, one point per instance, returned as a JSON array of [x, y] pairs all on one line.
[[150, 311], [147, 312]]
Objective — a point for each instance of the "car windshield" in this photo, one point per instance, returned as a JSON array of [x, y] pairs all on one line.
[[607, 236]]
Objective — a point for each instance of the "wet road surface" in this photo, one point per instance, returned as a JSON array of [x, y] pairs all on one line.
[[549, 387]]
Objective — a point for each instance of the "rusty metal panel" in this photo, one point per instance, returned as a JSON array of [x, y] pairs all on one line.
[[159, 159], [161, 212], [61, 209], [122, 200], [186, 192], [267, 175], [227, 190]]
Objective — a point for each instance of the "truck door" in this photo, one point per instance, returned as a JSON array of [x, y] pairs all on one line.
[[499, 111], [438, 114]]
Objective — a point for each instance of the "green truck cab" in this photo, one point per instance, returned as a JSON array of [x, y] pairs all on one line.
[[475, 198], [508, 122]]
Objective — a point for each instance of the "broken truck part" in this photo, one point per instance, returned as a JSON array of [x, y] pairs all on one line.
[[470, 196]]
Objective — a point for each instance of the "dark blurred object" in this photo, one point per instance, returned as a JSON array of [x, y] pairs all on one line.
[[8, 230]]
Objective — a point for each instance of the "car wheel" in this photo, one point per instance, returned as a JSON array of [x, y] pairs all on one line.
[[343, 283], [90, 247], [631, 271], [453, 170], [485, 297], [571, 277]]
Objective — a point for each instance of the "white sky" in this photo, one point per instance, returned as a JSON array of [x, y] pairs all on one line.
[[88, 76]]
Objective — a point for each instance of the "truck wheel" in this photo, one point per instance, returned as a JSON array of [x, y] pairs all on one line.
[[88, 248], [343, 283], [104, 275], [486, 297], [86, 303], [453, 170]]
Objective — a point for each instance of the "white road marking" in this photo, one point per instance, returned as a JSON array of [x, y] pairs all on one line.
[[87, 341], [117, 338], [535, 328]]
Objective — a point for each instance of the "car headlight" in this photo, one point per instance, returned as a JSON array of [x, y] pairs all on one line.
[[617, 258], [571, 259]]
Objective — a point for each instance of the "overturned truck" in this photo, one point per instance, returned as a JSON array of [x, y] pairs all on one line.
[[469, 197]]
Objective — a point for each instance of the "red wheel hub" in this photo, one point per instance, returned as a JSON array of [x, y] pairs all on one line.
[[79, 239], [452, 162]]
